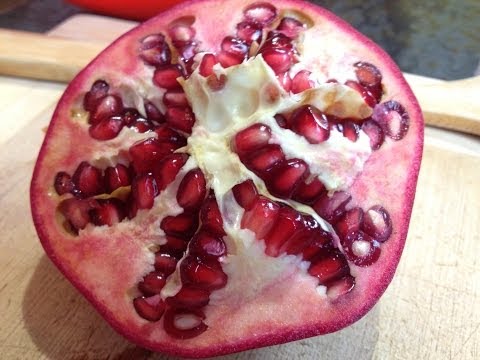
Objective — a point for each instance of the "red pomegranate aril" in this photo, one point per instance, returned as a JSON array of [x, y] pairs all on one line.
[[332, 208], [167, 169], [245, 194], [301, 82], [192, 190], [265, 159], [252, 138], [287, 223], [184, 324], [291, 27], [308, 191], [311, 123], [98, 91], [130, 116], [116, 177], [144, 190], [374, 132], [106, 107], [154, 50], [153, 114], [331, 267], [285, 80], [234, 46], [351, 130], [180, 118], [211, 217], [260, 12], [207, 64], [175, 98], [166, 134], [286, 176], [183, 225], [281, 121], [106, 129], [367, 96], [206, 245], [340, 287], [278, 59], [166, 76], [393, 118], [108, 212], [249, 32], [310, 232], [142, 125], [63, 183], [227, 60], [367, 74], [77, 211], [189, 298], [352, 221], [152, 283], [165, 263], [202, 273], [377, 223], [181, 33], [88, 180], [150, 308], [187, 51], [261, 217], [175, 246], [320, 246], [360, 248], [147, 153]]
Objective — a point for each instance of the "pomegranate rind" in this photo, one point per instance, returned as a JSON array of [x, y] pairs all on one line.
[[90, 262]]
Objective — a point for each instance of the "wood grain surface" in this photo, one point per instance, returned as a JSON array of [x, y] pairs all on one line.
[[430, 311]]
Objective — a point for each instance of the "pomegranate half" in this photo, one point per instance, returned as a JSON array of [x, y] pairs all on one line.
[[230, 175]]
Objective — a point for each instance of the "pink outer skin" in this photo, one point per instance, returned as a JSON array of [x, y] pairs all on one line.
[[339, 315]]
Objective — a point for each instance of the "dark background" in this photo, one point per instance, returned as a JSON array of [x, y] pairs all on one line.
[[437, 38]]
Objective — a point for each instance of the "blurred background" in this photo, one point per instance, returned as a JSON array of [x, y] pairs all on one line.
[[436, 38]]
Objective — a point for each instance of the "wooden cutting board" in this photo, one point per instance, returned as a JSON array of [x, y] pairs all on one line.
[[430, 311]]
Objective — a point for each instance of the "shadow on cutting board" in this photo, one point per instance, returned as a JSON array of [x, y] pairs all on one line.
[[64, 326]]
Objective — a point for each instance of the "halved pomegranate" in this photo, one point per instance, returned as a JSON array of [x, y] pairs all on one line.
[[231, 175]]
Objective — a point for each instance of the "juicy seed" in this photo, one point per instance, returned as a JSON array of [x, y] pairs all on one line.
[[63, 183], [291, 27], [329, 268], [265, 159], [374, 132], [180, 118], [88, 180], [260, 12], [285, 80], [98, 91], [351, 222], [147, 153], [286, 176], [245, 194], [192, 190], [183, 225], [351, 130], [234, 46], [308, 191], [142, 125], [367, 96], [281, 121], [367, 74], [287, 223], [106, 129], [152, 283], [310, 234], [106, 107], [174, 246], [116, 177], [165, 263], [202, 273], [252, 138], [150, 308], [154, 50], [340, 287], [311, 123], [130, 116], [301, 82], [361, 248], [175, 98], [166, 77], [249, 32], [144, 190], [279, 60], [226, 59], [167, 134], [207, 64], [261, 218], [108, 212], [77, 211], [377, 223], [332, 208], [184, 324], [393, 118], [205, 245], [153, 114], [167, 169], [211, 217], [320, 246], [189, 298]]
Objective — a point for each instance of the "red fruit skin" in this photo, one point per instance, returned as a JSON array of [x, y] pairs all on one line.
[[228, 331]]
